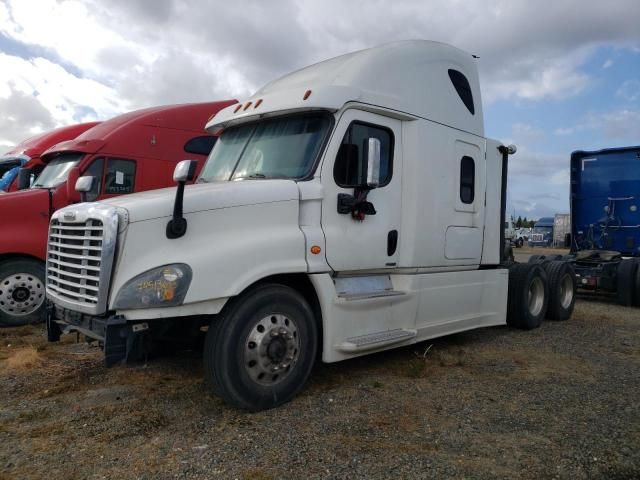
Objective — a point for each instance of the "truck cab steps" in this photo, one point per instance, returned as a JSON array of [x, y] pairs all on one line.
[[373, 294], [376, 340]]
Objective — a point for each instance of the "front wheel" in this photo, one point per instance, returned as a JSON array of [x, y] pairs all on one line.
[[259, 352], [22, 292]]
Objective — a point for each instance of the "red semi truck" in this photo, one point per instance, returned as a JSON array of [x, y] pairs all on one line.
[[28, 152], [133, 152]]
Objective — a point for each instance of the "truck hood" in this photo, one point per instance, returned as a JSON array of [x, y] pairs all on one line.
[[22, 208], [23, 203], [205, 196]]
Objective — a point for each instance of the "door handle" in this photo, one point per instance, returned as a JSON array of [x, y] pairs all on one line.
[[392, 242]]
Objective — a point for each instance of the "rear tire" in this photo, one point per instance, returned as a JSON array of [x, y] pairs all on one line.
[[22, 292], [528, 296], [637, 297], [519, 243], [626, 282], [259, 353], [562, 289]]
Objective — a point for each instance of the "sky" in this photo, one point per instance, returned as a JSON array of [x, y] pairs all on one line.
[[556, 76]]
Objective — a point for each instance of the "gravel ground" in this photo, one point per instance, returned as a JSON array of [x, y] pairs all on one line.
[[557, 402]]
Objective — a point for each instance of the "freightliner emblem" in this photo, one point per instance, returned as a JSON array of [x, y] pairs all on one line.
[[69, 215]]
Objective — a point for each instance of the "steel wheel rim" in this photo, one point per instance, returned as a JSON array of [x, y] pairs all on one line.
[[566, 291], [21, 294], [272, 349], [535, 298]]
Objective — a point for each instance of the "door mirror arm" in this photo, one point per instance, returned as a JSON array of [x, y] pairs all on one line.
[[184, 172]]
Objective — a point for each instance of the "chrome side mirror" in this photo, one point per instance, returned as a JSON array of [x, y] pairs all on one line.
[[185, 171], [373, 162], [84, 184]]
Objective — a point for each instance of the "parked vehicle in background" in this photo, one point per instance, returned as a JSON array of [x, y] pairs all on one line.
[[316, 226], [561, 227], [27, 153], [516, 236], [542, 233], [605, 221], [129, 153]]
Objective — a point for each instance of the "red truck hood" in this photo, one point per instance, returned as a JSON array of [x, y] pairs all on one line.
[[23, 207]]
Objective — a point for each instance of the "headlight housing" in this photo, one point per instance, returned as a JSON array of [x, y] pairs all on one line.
[[164, 286]]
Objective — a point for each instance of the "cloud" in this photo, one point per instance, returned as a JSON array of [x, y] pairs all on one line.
[[629, 90], [618, 125], [607, 64], [16, 111]]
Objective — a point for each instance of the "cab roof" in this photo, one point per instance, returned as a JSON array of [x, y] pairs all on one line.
[[411, 77], [118, 130], [36, 145]]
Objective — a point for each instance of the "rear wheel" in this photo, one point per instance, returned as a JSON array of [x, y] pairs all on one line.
[[519, 243], [637, 297], [562, 288], [260, 353], [626, 281], [528, 296], [22, 292]]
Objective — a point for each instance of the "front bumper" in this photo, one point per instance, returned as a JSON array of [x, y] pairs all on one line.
[[116, 335]]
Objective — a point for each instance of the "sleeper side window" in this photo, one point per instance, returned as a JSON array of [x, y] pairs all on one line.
[[120, 176], [350, 167], [94, 170], [461, 84], [467, 179]]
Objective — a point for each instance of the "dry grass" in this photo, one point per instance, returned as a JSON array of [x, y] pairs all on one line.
[[24, 358]]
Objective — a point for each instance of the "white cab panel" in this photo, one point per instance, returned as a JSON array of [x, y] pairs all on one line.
[[361, 245], [419, 307]]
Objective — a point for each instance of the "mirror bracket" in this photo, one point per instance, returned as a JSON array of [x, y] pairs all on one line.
[[183, 173]]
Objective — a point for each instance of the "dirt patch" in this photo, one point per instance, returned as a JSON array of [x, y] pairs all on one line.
[[556, 402], [23, 358]]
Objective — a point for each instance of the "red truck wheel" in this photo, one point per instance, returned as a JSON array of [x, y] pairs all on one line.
[[22, 292]]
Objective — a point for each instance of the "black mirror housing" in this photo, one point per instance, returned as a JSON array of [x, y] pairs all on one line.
[[24, 178]]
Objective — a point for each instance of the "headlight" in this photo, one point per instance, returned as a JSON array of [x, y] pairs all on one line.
[[160, 287]]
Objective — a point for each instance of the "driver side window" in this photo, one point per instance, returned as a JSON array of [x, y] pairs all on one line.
[[350, 167]]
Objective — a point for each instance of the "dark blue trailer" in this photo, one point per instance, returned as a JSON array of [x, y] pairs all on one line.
[[605, 221]]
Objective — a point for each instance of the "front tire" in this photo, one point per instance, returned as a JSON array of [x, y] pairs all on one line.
[[259, 352], [22, 292]]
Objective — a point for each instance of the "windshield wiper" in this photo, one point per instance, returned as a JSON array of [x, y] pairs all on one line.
[[256, 175]]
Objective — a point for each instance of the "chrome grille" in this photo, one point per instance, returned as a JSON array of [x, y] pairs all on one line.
[[74, 260], [80, 253]]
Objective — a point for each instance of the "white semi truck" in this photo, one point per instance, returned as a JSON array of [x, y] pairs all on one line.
[[349, 207]]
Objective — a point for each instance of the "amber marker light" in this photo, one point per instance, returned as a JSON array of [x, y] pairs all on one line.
[[315, 249], [307, 94], [257, 103], [238, 108], [247, 105]]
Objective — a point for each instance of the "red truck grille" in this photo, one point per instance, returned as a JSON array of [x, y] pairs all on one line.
[[74, 260]]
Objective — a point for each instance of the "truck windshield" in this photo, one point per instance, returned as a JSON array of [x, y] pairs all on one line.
[[542, 229], [57, 170], [284, 147]]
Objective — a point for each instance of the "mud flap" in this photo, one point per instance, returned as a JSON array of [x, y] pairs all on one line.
[[117, 341], [53, 329]]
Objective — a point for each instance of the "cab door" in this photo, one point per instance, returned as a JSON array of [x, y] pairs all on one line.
[[369, 241]]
